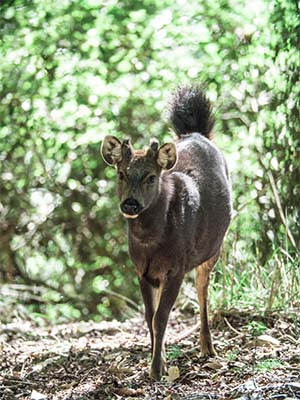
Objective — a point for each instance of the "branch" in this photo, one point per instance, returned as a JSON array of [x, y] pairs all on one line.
[[131, 303]]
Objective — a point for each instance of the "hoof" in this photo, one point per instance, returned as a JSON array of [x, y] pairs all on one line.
[[206, 346], [156, 371], [155, 375], [208, 351]]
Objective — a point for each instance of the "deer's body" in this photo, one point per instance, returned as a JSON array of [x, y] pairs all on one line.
[[177, 203], [187, 223]]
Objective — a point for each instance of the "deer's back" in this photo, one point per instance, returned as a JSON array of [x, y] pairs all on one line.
[[201, 208]]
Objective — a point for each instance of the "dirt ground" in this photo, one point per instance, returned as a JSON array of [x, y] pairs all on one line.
[[259, 358]]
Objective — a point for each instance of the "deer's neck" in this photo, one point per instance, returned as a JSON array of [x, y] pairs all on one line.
[[149, 228]]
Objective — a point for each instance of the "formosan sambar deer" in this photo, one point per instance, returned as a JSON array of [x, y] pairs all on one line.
[[176, 199]]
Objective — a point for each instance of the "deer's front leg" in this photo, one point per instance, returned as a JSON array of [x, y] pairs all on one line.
[[168, 292], [150, 297]]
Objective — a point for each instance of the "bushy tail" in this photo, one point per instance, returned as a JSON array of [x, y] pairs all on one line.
[[191, 111]]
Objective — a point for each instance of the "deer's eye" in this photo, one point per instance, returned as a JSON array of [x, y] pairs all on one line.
[[121, 176], [151, 179]]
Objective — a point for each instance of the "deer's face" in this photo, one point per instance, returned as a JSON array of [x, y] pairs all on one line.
[[138, 172]]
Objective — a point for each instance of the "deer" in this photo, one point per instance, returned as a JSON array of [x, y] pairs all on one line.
[[176, 198]]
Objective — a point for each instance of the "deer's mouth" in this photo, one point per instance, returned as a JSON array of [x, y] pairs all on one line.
[[130, 216]]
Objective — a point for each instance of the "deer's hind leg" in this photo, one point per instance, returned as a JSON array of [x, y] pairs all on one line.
[[202, 280]]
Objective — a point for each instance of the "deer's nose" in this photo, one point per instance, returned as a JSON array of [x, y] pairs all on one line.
[[131, 206]]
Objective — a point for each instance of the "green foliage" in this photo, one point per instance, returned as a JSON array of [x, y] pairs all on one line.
[[268, 364], [257, 328], [174, 352], [72, 72], [232, 355]]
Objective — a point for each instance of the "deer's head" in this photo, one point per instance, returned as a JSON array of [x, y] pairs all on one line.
[[139, 171]]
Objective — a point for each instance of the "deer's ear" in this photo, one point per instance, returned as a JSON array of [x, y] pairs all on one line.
[[111, 150], [167, 156]]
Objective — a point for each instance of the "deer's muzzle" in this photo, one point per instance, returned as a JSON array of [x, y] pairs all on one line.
[[131, 208]]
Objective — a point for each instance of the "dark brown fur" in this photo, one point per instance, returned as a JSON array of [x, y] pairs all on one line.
[[178, 205]]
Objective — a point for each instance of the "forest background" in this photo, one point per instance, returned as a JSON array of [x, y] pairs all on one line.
[[72, 72]]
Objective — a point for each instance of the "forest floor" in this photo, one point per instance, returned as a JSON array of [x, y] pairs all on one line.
[[259, 358]]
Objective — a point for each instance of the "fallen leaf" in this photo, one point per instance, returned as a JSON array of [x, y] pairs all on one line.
[[37, 395], [263, 340], [129, 392], [173, 374], [294, 386], [249, 385], [236, 364], [245, 387], [213, 365], [267, 340]]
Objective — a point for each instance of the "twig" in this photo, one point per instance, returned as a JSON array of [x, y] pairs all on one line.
[[278, 204], [274, 285], [231, 327], [223, 266], [124, 298], [244, 120], [185, 334], [280, 211]]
